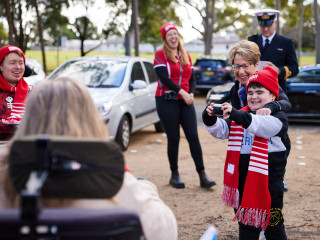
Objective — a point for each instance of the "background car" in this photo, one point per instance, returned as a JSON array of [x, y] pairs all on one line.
[[211, 71], [37, 74], [122, 88], [303, 92]]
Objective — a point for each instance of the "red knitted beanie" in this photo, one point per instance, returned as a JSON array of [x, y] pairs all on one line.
[[267, 77], [166, 27], [7, 49]]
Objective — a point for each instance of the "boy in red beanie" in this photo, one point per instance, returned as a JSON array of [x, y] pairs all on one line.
[[256, 158]]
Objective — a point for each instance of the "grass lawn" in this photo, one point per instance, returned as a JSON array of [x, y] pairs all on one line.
[[54, 59]]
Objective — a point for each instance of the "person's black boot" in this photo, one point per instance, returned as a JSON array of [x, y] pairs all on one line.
[[175, 180], [205, 181]]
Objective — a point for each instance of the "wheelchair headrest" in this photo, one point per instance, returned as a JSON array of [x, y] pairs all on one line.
[[77, 167]]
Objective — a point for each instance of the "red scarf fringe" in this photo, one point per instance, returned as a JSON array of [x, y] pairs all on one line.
[[253, 217], [230, 196]]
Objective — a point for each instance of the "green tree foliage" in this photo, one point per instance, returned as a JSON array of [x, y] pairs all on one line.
[[116, 23], [56, 24], [26, 32], [152, 14], [14, 11], [290, 16], [291, 28], [3, 35], [85, 29], [216, 15]]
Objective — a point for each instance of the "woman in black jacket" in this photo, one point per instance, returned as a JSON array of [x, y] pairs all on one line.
[[244, 57]]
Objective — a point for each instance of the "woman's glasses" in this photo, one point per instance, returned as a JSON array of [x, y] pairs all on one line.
[[244, 66]]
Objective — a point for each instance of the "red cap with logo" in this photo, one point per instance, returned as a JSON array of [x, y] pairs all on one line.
[[166, 27], [7, 49], [267, 77]]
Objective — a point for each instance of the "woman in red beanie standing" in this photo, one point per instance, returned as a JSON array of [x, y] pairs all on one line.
[[13, 88], [174, 101]]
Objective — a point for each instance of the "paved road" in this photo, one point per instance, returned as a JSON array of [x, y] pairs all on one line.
[[199, 106]]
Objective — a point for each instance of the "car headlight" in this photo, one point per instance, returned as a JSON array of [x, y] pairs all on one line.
[[105, 108]]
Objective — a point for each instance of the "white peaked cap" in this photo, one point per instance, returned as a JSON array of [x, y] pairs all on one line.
[[268, 11]]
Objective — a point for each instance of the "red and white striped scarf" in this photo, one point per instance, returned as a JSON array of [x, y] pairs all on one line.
[[256, 200], [18, 106]]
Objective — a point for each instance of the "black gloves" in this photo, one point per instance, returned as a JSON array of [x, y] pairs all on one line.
[[241, 117], [208, 120]]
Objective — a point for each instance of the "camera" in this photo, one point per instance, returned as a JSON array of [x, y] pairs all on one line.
[[217, 109], [170, 95]]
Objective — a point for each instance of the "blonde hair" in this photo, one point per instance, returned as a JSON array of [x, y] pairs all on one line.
[[170, 53], [62, 106], [247, 49]]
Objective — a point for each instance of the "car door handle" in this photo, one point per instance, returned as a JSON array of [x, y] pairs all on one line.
[[310, 91]]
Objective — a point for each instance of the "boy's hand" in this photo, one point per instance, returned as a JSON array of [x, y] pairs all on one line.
[[208, 116], [227, 108], [209, 109], [264, 111]]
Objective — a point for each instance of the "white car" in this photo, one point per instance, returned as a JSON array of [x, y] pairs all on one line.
[[122, 88], [37, 74]]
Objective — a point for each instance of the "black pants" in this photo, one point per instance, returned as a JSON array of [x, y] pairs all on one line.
[[275, 229], [172, 113], [251, 233]]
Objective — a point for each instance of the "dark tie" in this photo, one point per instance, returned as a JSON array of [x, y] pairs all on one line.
[[267, 43]]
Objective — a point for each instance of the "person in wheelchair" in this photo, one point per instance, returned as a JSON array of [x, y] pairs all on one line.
[[63, 107]]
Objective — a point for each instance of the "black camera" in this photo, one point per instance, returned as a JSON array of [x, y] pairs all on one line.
[[170, 95], [217, 109]]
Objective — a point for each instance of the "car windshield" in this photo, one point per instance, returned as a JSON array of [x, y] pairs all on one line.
[[97, 74], [210, 63], [307, 76]]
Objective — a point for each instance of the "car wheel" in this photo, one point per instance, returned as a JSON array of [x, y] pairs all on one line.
[[159, 127], [123, 133]]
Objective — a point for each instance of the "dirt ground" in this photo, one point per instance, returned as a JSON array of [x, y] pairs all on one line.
[[196, 208]]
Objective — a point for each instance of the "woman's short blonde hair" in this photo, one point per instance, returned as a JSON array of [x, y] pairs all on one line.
[[247, 49]]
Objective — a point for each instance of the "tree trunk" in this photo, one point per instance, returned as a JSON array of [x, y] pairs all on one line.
[[277, 3], [317, 38], [127, 44], [135, 26], [82, 47], [20, 39], [207, 43], [10, 22], [39, 20], [208, 23], [300, 29]]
